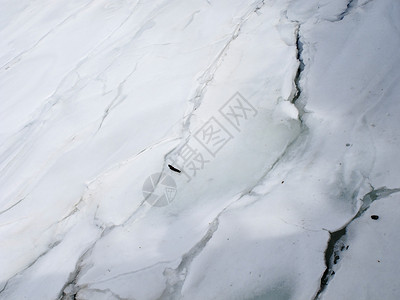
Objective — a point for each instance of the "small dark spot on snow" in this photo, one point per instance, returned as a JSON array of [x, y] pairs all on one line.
[[174, 169], [347, 145], [347, 247], [374, 217], [333, 273], [283, 181], [379, 260], [337, 257]]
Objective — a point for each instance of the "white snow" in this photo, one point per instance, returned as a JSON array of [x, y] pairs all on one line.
[[96, 96]]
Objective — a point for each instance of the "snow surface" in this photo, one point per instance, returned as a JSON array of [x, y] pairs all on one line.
[[96, 96]]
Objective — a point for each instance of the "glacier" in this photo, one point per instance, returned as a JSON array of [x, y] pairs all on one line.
[[280, 119]]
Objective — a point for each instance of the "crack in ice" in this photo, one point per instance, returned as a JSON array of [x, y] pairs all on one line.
[[331, 256]]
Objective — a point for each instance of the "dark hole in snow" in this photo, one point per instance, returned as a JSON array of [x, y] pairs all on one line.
[[374, 217], [174, 169], [337, 257], [347, 145]]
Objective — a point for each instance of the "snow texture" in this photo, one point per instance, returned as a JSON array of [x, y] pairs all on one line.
[[281, 119]]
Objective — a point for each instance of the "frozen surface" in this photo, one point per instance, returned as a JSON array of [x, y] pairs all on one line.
[[370, 262], [282, 117]]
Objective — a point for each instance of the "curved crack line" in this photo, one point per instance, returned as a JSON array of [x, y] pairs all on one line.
[[206, 78], [105, 291], [12, 206], [114, 102], [78, 270], [208, 75], [22, 53], [51, 101], [331, 252], [300, 108], [175, 278], [352, 4], [131, 272], [198, 95], [51, 246]]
